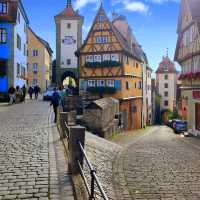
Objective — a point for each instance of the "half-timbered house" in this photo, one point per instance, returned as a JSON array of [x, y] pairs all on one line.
[[188, 56], [111, 65]]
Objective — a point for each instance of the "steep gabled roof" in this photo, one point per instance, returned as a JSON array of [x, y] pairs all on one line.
[[133, 49], [45, 43]]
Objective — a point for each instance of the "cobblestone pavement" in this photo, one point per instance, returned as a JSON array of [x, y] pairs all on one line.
[[159, 165], [101, 153], [24, 151]]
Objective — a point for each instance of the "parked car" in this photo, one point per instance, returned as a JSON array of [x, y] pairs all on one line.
[[48, 94], [179, 126], [169, 123]]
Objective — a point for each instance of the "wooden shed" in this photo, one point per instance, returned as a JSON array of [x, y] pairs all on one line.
[[101, 116]]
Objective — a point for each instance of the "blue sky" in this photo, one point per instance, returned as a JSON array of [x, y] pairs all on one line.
[[153, 22]]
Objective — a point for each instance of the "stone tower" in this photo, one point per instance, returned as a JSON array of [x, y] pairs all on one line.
[[68, 40]]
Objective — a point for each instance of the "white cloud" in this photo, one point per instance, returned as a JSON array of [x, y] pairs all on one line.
[[136, 6], [82, 3], [132, 5]]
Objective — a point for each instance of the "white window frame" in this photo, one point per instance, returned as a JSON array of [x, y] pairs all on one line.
[[91, 83], [106, 57], [110, 83], [35, 67], [97, 58], [115, 57], [101, 83], [35, 53], [102, 39], [89, 58], [4, 8]]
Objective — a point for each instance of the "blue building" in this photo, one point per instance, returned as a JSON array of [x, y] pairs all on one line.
[[13, 45]]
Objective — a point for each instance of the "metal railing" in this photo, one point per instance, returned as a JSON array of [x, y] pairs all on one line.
[[94, 179]]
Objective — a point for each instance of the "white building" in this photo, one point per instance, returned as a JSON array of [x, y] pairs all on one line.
[[68, 40], [166, 81], [147, 92], [149, 95], [20, 46]]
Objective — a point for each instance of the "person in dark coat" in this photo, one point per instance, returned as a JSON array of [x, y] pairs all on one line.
[[36, 91], [30, 92], [55, 101], [24, 90], [11, 93]]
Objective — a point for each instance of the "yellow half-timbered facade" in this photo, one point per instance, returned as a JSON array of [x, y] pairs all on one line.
[[188, 56], [111, 65]]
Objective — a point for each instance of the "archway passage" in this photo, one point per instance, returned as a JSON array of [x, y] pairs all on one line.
[[69, 80]]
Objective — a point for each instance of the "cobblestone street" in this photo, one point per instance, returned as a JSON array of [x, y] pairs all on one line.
[[24, 153], [158, 165]]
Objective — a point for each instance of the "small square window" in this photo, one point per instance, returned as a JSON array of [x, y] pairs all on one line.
[[69, 25], [68, 61], [166, 103], [166, 94], [166, 85], [166, 76]]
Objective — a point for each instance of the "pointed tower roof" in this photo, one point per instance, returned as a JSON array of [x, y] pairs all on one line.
[[166, 62], [68, 12]]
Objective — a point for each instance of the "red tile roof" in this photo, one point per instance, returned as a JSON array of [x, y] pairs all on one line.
[[68, 12], [166, 62]]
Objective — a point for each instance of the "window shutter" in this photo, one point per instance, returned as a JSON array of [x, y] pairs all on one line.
[[118, 84]]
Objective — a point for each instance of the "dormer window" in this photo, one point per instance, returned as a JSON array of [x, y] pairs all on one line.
[[166, 68], [3, 8]]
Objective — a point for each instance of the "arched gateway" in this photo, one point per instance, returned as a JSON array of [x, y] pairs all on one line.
[[68, 41]]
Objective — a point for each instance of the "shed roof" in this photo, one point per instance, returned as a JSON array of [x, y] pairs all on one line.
[[103, 103]]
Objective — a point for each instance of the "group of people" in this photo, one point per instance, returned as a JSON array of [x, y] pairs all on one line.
[[34, 90], [17, 95]]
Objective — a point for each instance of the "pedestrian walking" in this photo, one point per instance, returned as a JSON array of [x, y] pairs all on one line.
[[18, 94], [36, 91], [24, 90], [11, 93], [55, 100], [30, 92]]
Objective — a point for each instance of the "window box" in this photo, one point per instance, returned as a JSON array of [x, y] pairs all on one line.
[[103, 64], [100, 90]]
